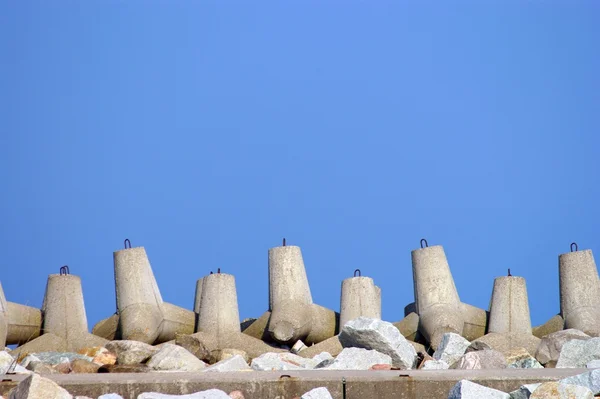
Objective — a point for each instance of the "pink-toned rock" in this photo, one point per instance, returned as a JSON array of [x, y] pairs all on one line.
[[236, 395], [100, 355], [381, 367]]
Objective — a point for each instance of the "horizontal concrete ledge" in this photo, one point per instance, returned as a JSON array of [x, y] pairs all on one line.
[[289, 384]]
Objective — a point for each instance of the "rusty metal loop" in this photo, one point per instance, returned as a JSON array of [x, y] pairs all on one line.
[[219, 270], [64, 270], [576, 247], [284, 241], [126, 242], [509, 275], [357, 270], [424, 241], [211, 272]]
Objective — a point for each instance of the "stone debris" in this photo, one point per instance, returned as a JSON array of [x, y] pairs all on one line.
[[451, 348], [38, 387], [84, 366], [435, 365], [577, 353], [486, 359], [381, 336], [281, 361], [505, 342], [40, 367], [193, 345], [465, 389], [317, 393], [9, 364], [558, 390], [358, 359], [235, 363], [524, 392], [175, 358], [209, 394], [590, 380], [225, 353], [519, 358], [298, 347], [549, 348]]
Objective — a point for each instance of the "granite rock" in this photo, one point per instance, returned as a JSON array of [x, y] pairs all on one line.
[[451, 348], [465, 389], [551, 345], [358, 359], [557, 390], [175, 358]]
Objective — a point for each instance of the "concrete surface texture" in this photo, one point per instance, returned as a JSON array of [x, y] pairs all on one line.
[[580, 291], [360, 297], [219, 306], [509, 308], [287, 276], [406, 384], [3, 318]]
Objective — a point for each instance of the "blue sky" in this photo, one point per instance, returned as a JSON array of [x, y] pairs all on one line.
[[207, 131]]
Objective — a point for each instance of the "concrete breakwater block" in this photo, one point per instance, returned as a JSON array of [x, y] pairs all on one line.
[[18, 323], [360, 298]]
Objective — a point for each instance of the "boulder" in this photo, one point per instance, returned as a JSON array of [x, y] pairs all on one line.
[[330, 345], [9, 364], [577, 353], [486, 359], [322, 360], [84, 366], [298, 347], [175, 358], [505, 342], [40, 367], [590, 380], [593, 364], [478, 346], [557, 390], [381, 336], [117, 347], [519, 358], [524, 392], [435, 365], [38, 387], [358, 359], [222, 354], [235, 363], [451, 348], [281, 361], [133, 356], [554, 324], [210, 394], [99, 354], [193, 345], [59, 357], [549, 348], [317, 393], [465, 389]]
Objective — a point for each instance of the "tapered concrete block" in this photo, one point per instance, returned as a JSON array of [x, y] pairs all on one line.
[[24, 323], [65, 322], [108, 328], [287, 276], [554, 324], [580, 291], [290, 321], [436, 297], [237, 340], [360, 297], [476, 321], [509, 307], [325, 324], [3, 318], [219, 312], [259, 329], [176, 320]]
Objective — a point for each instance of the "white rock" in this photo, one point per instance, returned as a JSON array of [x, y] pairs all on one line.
[[519, 358], [485, 359], [298, 346], [593, 364], [37, 387], [9, 364], [465, 389], [317, 393], [358, 359], [322, 360], [210, 394], [110, 396], [235, 363], [451, 348], [577, 353], [550, 346], [590, 380], [435, 365], [280, 361], [175, 358], [381, 336], [524, 392], [557, 390]]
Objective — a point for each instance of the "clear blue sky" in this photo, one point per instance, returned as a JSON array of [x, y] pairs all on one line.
[[207, 131]]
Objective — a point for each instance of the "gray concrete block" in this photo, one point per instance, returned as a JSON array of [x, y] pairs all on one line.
[[509, 308], [219, 306], [287, 276], [24, 323], [360, 297]]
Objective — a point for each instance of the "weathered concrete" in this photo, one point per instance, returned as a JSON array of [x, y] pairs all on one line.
[[259, 328], [3, 318], [360, 297], [509, 308], [408, 384], [554, 324], [476, 320], [23, 323], [65, 322], [331, 345], [408, 326], [198, 301], [287, 276], [240, 341], [219, 306], [580, 291]]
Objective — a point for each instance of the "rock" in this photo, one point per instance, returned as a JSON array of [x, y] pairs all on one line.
[[478, 346], [110, 396], [555, 323], [64, 367], [175, 358], [549, 348], [40, 367], [322, 360], [85, 397], [435, 365], [358, 359], [84, 366], [120, 346], [236, 363], [236, 395], [593, 364], [99, 354], [381, 336], [281, 361], [524, 392], [317, 393], [381, 367], [38, 387], [194, 346], [590, 380], [557, 390], [60, 357], [298, 347], [225, 353], [451, 348], [577, 353], [133, 356], [123, 368], [210, 394], [505, 342], [519, 358], [8, 364], [465, 389], [486, 359]]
